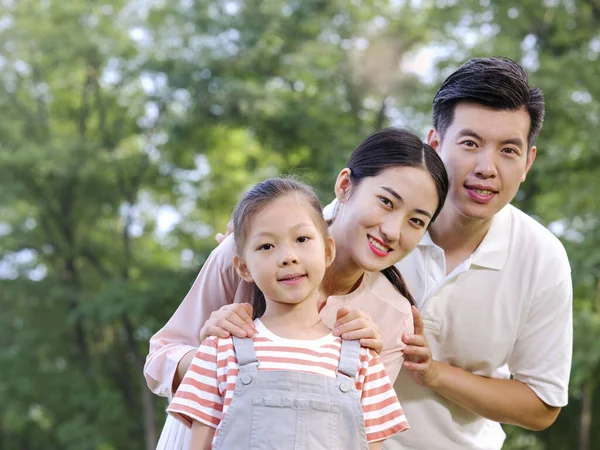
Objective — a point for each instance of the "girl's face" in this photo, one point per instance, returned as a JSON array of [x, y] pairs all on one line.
[[382, 219], [285, 253]]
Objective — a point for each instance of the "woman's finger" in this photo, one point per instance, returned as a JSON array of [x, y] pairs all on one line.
[[373, 344], [355, 325]]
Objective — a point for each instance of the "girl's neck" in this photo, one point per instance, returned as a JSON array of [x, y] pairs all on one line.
[[343, 276], [297, 321]]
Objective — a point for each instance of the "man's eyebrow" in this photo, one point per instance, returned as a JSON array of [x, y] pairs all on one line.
[[468, 132], [399, 198]]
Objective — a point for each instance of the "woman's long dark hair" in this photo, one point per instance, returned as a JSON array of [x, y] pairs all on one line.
[[396, 147]]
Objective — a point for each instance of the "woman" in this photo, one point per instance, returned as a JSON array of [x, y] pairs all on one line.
[[393, 187]]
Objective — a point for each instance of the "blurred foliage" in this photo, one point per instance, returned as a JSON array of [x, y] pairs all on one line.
[[130, 128]]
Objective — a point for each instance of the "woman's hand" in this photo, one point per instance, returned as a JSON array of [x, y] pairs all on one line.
[[417, 354], [352, 324], [230, 320]]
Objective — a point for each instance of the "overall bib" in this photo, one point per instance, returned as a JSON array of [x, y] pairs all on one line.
[[284, 410]]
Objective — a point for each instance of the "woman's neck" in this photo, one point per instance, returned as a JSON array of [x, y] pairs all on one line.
[[343, 276]]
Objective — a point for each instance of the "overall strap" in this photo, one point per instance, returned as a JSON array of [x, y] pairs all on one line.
[[349, 358], [245, 354]]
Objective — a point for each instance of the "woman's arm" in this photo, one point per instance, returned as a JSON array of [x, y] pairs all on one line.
[[202, 436], [217, 285]]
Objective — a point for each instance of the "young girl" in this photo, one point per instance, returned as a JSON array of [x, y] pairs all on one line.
[[293, 385]]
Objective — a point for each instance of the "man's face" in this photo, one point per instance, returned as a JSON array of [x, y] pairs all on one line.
[[485, 153]]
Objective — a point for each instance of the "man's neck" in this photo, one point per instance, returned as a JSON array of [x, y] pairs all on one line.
[[457, 235]]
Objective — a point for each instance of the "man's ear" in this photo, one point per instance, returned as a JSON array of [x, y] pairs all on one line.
[[434, 139], [242, 269], [329, 251], [531, 154], [343, 185]]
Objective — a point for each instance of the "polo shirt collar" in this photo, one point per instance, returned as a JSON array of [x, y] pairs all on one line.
[[492, 253]]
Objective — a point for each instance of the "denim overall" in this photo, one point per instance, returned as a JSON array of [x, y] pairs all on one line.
[[285, 410]]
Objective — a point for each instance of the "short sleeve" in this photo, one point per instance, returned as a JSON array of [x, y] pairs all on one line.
[[382, 411], [198, 397], [542, 355]]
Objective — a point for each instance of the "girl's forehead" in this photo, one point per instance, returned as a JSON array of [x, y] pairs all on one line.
[[284, 212]]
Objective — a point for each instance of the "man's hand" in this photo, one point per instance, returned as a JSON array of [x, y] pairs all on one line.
[[352, 324], [417, 355], [230, 320]]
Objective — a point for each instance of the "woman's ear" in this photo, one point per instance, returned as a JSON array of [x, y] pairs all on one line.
[[343, 185], [242, 269], [329, 251]]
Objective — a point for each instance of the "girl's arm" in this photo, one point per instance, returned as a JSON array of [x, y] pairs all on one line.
[[376, 445], [202, 436], [217, 285]]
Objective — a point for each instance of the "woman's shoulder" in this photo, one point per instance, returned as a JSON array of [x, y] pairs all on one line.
[[377, 285], [223, 254]]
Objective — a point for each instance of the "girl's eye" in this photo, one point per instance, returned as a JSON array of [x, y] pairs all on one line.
[[386, 201], [302, 239], [265, 247]]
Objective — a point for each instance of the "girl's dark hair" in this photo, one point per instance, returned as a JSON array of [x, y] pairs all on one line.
[[396, 147], [497, 83], [254, 202]]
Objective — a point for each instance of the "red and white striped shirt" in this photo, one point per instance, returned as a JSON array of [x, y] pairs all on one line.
[[207, 388]]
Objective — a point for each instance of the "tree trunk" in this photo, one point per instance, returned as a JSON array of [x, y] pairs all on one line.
[[585, 420]]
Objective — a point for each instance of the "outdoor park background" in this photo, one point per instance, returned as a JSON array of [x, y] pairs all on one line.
[[128, 130]]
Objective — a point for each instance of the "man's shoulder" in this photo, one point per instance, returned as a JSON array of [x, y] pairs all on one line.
[[531, 239]]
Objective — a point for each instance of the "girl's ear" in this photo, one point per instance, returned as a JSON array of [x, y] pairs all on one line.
[[242, 269], [329, 251], [343, 185]]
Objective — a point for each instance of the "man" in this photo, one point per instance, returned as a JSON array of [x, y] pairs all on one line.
[[493, 339]]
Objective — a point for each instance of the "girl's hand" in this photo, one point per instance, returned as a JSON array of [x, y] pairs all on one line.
[[417, 354], [230, 320], [352, 324]]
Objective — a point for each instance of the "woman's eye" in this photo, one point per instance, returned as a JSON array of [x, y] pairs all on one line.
[[418, 222], [386, 201], [265, 247]]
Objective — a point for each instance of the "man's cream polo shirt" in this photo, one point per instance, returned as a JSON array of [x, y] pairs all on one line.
[[506, 310]]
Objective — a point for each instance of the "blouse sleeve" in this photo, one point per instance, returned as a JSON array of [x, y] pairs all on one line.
[[217, 284]]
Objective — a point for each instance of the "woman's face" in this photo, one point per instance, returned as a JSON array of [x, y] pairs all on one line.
[[382, 219]]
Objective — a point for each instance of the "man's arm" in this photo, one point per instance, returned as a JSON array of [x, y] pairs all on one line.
[[506, 401]]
